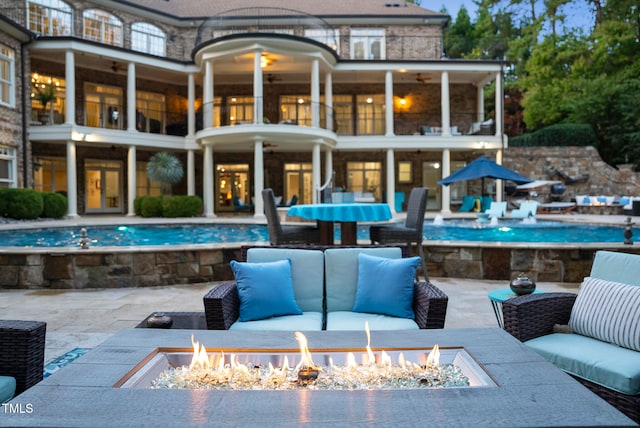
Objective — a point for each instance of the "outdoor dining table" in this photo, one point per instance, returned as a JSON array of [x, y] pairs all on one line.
[[347, 214]]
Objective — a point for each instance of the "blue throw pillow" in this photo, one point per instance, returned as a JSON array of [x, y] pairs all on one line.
[[265, 289], [385, 286]]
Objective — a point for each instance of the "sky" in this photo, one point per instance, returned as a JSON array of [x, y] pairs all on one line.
[[578, 11]]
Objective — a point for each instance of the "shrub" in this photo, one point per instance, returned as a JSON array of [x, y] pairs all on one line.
[[22, 204], [3, 202], [561, 134], [181, 206], [55, 205], [151, 206], [137, 205]]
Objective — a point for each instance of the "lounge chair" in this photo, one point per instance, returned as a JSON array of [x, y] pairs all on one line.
[[497, 209], [468, 204], [527, 209], [485, 203]]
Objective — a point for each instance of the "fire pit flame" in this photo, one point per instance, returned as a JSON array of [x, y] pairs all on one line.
[[376, 371]]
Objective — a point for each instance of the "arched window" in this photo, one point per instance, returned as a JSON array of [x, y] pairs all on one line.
[[148, 38], [101, 26], [50, 17]]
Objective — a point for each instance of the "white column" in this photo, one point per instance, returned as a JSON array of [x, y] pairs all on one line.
[[207, 191], [258, 179], [328, 166], [315, 180], [207, 96], [480, 105], [328, 101], [499, 105], [131, 97], [70, 91], [131, 179], [391, 180], [191, 110], [315, 93], [446, 190], [191, 173], [388, 101], [72, 184], [499, 183], [257, 87], [444, 100]]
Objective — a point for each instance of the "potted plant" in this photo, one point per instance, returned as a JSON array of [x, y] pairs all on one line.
[[46, 94]]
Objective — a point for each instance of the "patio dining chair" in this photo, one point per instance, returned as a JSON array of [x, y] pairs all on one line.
[[286, 234], [411, 231]]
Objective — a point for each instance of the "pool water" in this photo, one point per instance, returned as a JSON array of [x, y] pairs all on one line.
[[450, 230]]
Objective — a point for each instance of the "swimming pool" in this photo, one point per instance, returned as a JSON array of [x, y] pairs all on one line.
[[186, 234]]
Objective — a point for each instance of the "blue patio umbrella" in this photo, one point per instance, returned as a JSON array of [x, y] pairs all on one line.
[[484, 167]]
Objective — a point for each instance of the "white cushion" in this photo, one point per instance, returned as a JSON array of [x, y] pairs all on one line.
[[608, 311]]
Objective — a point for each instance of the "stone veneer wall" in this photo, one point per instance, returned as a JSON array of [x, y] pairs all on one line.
[[593, 176], [96, 268]]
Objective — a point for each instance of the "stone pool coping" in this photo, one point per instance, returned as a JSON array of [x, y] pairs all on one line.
[[530, 392]]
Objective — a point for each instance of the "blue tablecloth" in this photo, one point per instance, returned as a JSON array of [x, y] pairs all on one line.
[[352, 212]]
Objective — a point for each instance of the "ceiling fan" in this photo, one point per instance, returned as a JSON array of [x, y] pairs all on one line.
[[117, 67], [421, 78], [271, 78]]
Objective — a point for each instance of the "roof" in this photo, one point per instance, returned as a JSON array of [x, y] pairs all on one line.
[[323, 8]]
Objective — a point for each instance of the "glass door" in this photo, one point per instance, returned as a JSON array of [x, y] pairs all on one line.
[[234, 190], [103, 187], [298, 182], [430, 175]]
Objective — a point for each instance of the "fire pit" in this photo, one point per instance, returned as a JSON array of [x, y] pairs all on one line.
[[525, 389], [338, 369]]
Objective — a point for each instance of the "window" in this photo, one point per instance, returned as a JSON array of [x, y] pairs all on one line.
[[365, 177], [371, 119], [8, 167], [298, 182], [404, 172], [367, 43], [50, 175], [295, 109], [7, 76], [103, 27], [329, 37], [234, 187], [50, 17], [48, 94], [150, 114], [147, 38], [240, 110], [144, 186], [343, 114]]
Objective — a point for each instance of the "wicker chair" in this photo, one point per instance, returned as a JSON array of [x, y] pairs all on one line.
[[411, 232], [222, 304], [534, 315], [22, 352], [289, 234]]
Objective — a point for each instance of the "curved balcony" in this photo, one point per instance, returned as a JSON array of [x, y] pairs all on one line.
[[238, 125]]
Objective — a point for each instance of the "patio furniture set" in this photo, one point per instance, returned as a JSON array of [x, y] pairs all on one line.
[[297, 284]]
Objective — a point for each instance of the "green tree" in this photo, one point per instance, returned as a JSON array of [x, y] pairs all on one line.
[[166, 169], [459, 36]]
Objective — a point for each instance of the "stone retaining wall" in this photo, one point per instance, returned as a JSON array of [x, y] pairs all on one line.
[[98, 268]]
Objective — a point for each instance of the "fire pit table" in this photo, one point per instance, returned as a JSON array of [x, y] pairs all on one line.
[[524, 390]]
